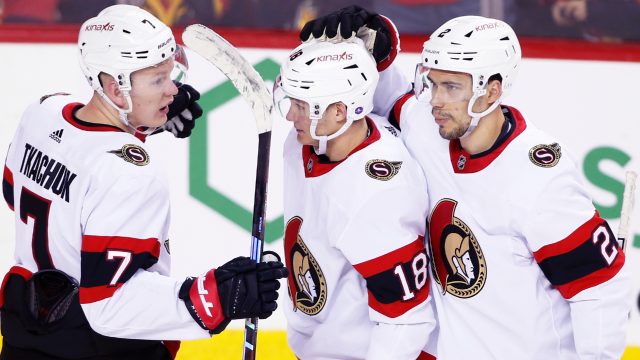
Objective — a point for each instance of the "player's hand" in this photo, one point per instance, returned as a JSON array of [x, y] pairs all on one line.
[[349, 21], [183, 111], [236, 290]]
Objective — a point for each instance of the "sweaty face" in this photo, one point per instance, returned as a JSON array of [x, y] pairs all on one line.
[[299, 114], [152, 92], [450, 95]]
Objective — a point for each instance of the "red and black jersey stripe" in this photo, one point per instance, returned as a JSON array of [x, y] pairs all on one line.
[[385, 287], [109, 261], [7, 187], [588, 257]]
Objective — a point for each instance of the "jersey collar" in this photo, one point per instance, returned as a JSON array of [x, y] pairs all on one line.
[[69, 114], [465, 163], [315, 166]]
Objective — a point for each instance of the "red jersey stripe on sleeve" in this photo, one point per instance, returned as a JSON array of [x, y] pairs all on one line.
[[8, 175], [571, 242], [397, 281], [96, 243], [7, 187], [390, 260], [107, 262], [586, 258], [399, 307], [603, 275]]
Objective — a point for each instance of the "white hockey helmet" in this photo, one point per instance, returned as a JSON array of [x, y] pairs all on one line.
[[322, 73], [122, 39], [476, 45]]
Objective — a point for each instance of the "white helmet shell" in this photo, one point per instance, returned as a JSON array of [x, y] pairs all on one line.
[[323, 72], [479, 46], [120, 40]]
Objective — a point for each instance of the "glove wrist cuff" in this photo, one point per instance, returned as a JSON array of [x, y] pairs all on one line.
[[395, 45], [201, 298]]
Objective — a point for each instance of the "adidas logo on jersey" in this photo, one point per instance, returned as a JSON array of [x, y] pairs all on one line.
[[57, 135]]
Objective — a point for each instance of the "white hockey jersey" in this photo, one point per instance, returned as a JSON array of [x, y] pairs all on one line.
[[524, 267], [88, 201], [354, 245]]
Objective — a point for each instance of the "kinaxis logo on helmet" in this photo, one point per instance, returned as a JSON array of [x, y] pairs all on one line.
[[493, 25], [459, 265], [105, 27], [336, 57]]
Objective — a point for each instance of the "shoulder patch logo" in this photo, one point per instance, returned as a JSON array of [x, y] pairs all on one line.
[[382, 170], [45, 97], [307, 284], [133, 154], [545, 155]]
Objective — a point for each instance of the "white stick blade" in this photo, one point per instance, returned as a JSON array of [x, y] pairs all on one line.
[[627, 207], [219, 52]]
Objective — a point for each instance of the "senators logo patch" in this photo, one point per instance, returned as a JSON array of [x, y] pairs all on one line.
[[545, 155], [307, 285], [382, 169], [459, 265], [133, 154]]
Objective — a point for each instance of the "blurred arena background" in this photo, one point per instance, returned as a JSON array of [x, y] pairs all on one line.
[[579, 81]]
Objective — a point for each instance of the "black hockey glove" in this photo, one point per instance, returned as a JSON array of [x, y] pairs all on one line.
[[238, 289], [183, 111], [350, 20]]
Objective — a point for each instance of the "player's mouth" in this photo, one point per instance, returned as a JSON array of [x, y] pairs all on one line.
[[164, 110], [440, 119]]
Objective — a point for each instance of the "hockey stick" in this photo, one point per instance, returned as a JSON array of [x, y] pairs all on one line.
[[627, 208], [246, 79]]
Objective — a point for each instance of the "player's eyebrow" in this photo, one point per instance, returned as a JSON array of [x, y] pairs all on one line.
[[446, 82]]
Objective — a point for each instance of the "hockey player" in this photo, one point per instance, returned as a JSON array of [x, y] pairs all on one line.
[[355, 207], [91, 275], [524, 266]]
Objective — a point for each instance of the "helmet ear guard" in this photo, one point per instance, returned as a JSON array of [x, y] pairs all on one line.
[[485, 48]]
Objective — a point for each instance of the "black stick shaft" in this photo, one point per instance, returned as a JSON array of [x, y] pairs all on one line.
[[257, 233]]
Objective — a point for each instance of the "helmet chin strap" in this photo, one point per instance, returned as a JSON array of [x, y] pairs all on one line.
[[321, 149], [475, 117], [123, 113]]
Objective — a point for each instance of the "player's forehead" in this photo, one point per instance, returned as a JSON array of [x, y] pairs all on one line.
[[299, 102], [163, 67], [442, 76]]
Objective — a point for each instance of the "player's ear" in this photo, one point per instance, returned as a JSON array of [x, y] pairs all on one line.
[[111, 89], [340, 111], [494, 91]]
